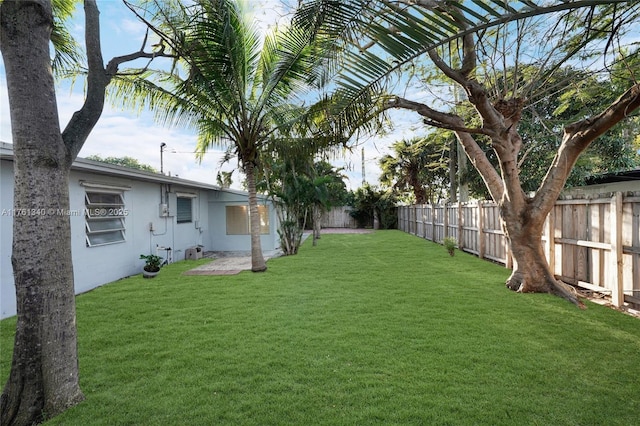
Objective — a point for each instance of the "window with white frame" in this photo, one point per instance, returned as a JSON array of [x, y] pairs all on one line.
[[104, 215], [238, 222], [184, 209]]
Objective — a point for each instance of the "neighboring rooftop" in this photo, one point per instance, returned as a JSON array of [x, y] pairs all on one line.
[[631, 175]]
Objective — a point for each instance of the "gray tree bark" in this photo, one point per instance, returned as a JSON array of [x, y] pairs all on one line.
[[43, 381], [257, 259], [316, 211], [44, 373]]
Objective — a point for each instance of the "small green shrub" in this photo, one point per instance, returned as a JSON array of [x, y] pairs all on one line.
[[450, 244], [152, 263]]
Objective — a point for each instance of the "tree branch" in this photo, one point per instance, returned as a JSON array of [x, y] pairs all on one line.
[[479, 160], [98, 78], [471, 130], [454, 75], [465, 77], [112, 66], [577, 137], [162, 35], [426, 111], [453, 122], [83, 121], [585, 131], [438, 119]]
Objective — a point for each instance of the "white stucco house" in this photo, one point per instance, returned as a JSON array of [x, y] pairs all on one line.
[[118, 213]]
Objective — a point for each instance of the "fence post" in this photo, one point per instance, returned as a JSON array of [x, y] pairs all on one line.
[[480, 229], [460, 226], [617, 283], [404, 218], [433, 223], [445, 220], [415, 219], [424, 221]]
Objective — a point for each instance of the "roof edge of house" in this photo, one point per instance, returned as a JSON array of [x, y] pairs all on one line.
[[83, 164]]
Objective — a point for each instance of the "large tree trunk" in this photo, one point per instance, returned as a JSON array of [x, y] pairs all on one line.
[[44, 375], [531, 272], [257, 259]]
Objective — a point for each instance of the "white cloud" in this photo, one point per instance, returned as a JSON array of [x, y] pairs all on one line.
[[268, 13], [131, 27]]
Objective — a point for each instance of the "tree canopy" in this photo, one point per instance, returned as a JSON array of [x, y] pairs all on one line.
[[418, 166], [125, 161]]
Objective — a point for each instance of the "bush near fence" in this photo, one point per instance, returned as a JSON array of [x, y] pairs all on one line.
[[591, 242]]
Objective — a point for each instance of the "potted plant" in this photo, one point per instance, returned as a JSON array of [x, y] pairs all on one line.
[[152, 265], [450, 244]]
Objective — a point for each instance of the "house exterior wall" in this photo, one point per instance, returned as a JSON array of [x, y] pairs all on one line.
[[94, 266], [218, 201], [146, 230], [7, 292], [604, 188]]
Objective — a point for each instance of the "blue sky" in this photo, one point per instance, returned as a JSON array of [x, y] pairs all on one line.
[[124, 133]]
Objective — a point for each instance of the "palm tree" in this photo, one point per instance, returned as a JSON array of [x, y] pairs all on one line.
[[417, 165], [238, 90], [298, 186]]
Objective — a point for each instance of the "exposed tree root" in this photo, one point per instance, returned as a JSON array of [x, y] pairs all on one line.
[[555, 287], [567, 292]]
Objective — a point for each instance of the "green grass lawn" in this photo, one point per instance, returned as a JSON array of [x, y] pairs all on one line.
[[369, 328]]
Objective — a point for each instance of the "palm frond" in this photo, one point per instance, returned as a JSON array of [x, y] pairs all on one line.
[[67, 53], [287, 66], [376, 39], [136, 92], [220, 49]]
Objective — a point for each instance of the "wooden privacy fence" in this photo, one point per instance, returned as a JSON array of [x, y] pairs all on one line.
[[593, 243], [338, 217]]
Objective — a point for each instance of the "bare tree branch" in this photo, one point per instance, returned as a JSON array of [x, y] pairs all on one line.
[[98, 78]]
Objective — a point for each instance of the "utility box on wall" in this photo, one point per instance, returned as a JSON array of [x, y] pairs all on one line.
[[193, 253]]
